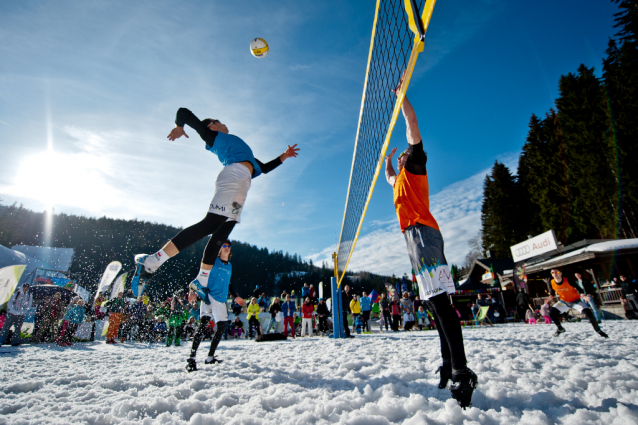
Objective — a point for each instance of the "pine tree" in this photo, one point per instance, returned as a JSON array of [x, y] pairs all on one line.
[[498, 211]]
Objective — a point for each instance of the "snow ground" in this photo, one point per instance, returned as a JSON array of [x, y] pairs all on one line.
[[525, 376]]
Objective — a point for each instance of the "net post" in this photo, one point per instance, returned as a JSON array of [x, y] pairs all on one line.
[[417, 20], [337, 316]]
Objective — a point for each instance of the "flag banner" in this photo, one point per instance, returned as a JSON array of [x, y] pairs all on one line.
[[374, 296], [118, 285], [9, 278], [109, 274]]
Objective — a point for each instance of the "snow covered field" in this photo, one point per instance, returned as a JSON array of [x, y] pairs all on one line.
[[525, 376]]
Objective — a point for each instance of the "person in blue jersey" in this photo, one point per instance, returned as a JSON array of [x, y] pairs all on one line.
[[231, 189], [213, 305]]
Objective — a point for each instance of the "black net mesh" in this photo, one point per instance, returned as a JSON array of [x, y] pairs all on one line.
[[393, 42]]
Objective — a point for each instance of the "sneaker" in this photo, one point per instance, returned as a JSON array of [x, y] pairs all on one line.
[[462, 387], [446, 375], [151, 264], [191, 365], [212, 360], [603, 334], [559, 331]]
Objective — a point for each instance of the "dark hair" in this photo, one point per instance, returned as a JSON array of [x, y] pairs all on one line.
[[208, 121]]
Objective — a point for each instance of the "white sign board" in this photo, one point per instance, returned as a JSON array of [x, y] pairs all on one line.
[[535, 246]]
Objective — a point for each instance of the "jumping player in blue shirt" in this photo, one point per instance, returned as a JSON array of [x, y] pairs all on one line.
[[231, 189]]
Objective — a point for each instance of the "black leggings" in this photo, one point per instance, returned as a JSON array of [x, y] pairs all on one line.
[[554, 313], [449, 328], [199, 334], [213, 224], [387, 319]]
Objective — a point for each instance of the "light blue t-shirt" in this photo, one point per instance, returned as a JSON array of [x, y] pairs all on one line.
[[219, 279], [231, 149]]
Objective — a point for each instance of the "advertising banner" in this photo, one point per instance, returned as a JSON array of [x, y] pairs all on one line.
[[118, 285], [9, 278], [109, 274], [532, 247]]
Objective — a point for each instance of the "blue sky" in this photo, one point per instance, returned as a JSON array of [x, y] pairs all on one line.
[[89, 91]]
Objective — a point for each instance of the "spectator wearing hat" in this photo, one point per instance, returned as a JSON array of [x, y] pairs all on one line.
[[73, 318], [19, 305]]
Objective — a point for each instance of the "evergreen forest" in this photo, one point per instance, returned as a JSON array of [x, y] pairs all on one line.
[[577, 172], [98, 241]]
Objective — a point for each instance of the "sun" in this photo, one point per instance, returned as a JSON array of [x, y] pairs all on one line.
[[76, 180]]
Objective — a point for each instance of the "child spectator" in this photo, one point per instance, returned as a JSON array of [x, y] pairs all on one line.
[[531, 319], [307, 311], [236, 328], [422, 318], [545, 312], [408, 321]]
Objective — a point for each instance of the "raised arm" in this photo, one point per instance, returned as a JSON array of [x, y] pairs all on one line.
[[185, 116], [291, 152], [390, 175], [411, 123]]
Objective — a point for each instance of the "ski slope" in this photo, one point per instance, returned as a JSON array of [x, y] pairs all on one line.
[[525, 376]]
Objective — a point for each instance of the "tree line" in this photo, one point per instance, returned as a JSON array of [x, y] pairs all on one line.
[[99, 241], [577, 172]]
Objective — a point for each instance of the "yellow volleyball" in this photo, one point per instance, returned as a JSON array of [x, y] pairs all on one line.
[[259, 47]]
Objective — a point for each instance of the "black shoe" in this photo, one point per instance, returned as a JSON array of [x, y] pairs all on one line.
[[191, 365], [446, 375], [213, 361], [603, 334], [462, 387], [559, 331]]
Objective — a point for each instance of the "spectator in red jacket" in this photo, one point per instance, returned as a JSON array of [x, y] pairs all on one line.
[[307, 311], [395, 310], [313, 295]]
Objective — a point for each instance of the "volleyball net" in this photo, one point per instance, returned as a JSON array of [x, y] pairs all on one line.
[[398, 33]]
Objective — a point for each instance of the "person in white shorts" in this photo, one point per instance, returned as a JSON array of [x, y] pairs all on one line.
[[231, 189], [213, 305], [569, 297]]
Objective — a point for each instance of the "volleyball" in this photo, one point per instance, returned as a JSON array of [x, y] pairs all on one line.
[[259, 47]]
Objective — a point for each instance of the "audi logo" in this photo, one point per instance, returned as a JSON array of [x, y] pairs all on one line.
[[523, 250]]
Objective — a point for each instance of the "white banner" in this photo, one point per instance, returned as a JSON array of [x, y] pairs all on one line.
[[109, 274], [118, 285], [535, 246], [9, 278]]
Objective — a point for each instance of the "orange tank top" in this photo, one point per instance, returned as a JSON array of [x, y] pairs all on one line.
[[565, 291], [412, 200]]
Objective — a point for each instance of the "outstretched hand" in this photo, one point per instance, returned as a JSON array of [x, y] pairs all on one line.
[[290, 153], [176, 133], [398, 88], [392, 152]]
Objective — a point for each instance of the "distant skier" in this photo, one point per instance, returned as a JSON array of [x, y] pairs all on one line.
[[569, 297], [231, 189], [425, 248], [214, 295]]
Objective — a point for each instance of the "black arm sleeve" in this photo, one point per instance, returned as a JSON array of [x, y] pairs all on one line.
[[269, 166], [415, 164], [231, 291], [185, 116]]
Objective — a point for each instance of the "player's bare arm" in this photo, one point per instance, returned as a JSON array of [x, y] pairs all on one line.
[[291, 152], [176, 133], [413, 134], [390, 174]]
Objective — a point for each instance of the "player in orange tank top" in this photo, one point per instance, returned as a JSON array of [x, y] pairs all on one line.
[[569, 298], [425, 248]]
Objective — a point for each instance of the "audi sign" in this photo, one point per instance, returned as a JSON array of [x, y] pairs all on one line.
[[537, 245]]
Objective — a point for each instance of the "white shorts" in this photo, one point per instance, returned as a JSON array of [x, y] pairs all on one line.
[[564, 306], [215, 309], [231, 189]]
